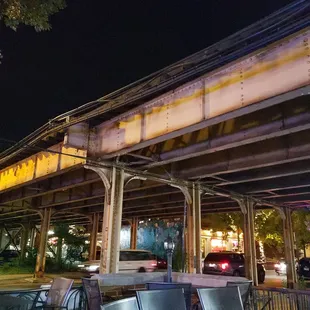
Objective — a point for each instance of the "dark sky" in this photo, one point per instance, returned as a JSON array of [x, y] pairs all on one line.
[[98, 46]]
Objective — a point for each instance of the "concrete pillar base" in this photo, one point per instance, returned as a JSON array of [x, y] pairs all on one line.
[[289, 249], [113, 180], [134, 232], [41, 256]]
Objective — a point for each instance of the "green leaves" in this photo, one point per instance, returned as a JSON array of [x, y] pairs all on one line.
[[34, 13], [301, 220]]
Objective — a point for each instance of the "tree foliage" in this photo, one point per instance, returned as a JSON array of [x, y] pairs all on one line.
[[269, 228], [152, 234], [301, 226], [34, 13], [73, 237]]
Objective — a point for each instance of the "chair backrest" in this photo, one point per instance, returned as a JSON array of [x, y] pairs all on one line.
[[93, 293], [59, 291], [172, 299], [123, 304], [187, 288], [244, 288], [220, 298]]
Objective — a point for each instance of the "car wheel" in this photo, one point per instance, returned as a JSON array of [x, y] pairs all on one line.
[[141, 269], [236, 273]]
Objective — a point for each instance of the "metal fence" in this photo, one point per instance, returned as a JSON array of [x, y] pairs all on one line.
[[279, 299], [75, 300]]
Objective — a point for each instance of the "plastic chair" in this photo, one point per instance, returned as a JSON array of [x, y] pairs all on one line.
[[187, 287], [123, 304], [245, 290], [220, 298], [172, 299], [57, 294]]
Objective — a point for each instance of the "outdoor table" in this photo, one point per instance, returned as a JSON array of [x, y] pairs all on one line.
[[14, 303]]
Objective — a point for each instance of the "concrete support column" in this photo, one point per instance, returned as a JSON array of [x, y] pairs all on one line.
[[252, 244], [41, 256], [246, 241], [113, 180], [193, 231], [24, 242], [134, 233], [32, 237], [112, 223], [94, 236], [1, 237], [247, 208], [197, 206], [190, 238], [289, 248]]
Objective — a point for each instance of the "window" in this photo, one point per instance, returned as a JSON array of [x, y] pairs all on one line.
[[135, 256], [214, 257]]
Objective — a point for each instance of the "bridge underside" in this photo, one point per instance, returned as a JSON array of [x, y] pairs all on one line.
[[234, 139], [263, 155]]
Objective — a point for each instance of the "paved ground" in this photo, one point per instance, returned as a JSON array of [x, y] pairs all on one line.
[[21, 281], [273, 280]]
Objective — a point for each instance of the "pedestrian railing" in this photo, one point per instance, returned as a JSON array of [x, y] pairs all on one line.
[[75, 300], [279, 299]]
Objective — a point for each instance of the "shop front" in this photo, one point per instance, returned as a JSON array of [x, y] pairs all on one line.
[[218, 241]]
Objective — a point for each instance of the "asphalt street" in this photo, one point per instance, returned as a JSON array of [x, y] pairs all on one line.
[[273, 280]]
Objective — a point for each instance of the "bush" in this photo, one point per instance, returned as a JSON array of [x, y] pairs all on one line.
[[177, 258], [15, 267]]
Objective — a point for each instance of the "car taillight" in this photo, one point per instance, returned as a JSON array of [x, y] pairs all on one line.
[[154, 264], [224, 266]]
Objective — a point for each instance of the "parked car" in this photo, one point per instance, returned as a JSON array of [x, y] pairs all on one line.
[[129, 261], [8, 255], [303, 269], [280, 267], [229, 264], [161, 263]]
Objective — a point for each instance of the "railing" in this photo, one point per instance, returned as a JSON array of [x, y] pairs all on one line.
[[279, 299], [75, 300]]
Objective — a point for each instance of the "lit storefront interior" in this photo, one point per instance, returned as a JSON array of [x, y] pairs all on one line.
[[217, 241]]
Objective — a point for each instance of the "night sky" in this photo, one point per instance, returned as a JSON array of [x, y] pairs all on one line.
[[98, 46]]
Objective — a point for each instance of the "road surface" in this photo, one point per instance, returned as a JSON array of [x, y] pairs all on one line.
[[273, 280]]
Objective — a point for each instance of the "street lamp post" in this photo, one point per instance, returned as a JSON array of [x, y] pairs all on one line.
[[169, 247]]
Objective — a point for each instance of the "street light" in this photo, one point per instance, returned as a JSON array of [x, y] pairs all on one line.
[[169, 247]]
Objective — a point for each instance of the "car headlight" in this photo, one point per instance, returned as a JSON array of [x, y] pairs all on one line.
[[92, 267], [81, 266]]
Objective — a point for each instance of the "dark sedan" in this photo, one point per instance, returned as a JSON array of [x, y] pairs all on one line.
[[161, 263], [229, 264], [303, 268]]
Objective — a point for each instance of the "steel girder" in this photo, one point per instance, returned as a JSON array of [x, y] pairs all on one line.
[[282, 150], [216, 97]]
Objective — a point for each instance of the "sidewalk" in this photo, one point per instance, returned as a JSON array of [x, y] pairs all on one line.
[[19, 281]]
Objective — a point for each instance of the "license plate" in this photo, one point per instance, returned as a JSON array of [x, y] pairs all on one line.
[[212, 265], [306, 268]]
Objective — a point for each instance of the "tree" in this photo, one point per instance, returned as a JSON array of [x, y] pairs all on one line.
[[269, 230], [34, 13], [301, 226], [73, 236]]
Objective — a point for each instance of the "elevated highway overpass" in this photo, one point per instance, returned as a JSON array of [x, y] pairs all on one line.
[[226, 129]]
